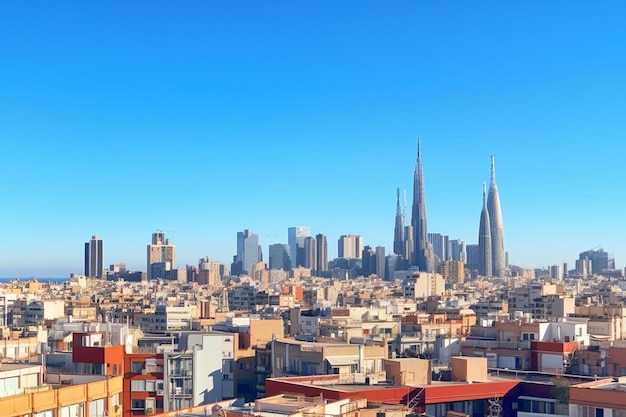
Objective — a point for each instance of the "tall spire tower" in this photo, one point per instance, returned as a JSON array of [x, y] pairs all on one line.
[[498, 257], [484, 240], [423, 258], [398, 232]]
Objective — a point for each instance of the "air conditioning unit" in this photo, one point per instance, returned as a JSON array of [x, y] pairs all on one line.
[[159, 392]]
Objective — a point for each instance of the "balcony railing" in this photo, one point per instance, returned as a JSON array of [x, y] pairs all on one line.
[[496, 344]]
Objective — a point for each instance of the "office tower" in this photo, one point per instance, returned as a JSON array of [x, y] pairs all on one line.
[[584, 267], [498, 256], [599, 259], [310, 252], [556, 272], [380, 261], [392, 264], [423, 258], [161, 256], [484, 240], [439, 244], [248, 250], [473, 259], [398, 231], [279, 257], [93, 257], [350, 246], [322, 255], [295, 238], [368, 258], [456, 250]]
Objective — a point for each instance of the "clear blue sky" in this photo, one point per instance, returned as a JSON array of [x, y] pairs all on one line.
[[203, 118]]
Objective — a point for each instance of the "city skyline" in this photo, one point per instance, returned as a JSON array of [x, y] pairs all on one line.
[[211, 119]]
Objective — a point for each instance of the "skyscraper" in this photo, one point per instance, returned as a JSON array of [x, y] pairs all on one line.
[[350, 246], [498, 255], [93, 257], [380, 261], [423, 257], [279, 257], [310, 252], [484, 240], [398, 231], [248, 250], [295, 239], [161, 256], [322, 254]]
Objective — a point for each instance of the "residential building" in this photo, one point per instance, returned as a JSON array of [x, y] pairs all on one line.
[[161, 256]]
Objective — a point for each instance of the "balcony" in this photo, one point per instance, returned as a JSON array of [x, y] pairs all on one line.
[[496, 344]]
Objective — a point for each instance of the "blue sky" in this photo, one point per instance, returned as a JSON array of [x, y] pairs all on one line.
[[204, 118]]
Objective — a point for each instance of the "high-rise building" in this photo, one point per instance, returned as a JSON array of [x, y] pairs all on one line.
[[279, 257], [295, 239], [439, 244], [398, 231], [484, 240], [456, 250], [473, 259], [498, 254], [161, 256], [368, 257], [380, 261], [599, 259], [209, 273], [93, 257], [310, 252], [350, 246], [322, 255], [423, 257], [248, 250]]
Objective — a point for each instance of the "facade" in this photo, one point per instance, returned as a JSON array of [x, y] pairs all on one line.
[[439, 244], [423, 256], [200, 372], [350, 246], [94, 257], [292, 357], [209, 273], [310, 253], [296, 236], [59, 395], [321, 267], [161, 256], [599, 260], [379, 252], [279, 257], [498, 253], [248, 251], [456, 250], [422, 285]]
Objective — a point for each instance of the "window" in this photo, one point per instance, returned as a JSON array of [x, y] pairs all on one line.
[[138, 385], [96, 408], [136, 367], [137, 404]]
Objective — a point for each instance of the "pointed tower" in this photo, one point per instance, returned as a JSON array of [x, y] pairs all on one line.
[[498, 256], [423, 258], [398, 232], [484, 239]]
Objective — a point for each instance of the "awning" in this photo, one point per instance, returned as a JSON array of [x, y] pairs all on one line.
[[343, 360]]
